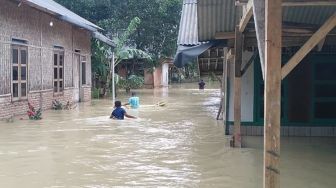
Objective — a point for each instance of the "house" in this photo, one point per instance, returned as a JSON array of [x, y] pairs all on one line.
[[279, 69], [45, 52], [209, 55], [307, 96], [159, 76]]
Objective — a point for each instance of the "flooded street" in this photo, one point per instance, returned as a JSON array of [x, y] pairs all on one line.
[[178, 145]]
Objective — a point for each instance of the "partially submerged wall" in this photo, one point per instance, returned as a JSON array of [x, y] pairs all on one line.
[[247, 93], [33, 26]]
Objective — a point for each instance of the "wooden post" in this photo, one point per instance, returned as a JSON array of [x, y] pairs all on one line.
[[225, 114], [224, 84], [273, 23], [237, 87]]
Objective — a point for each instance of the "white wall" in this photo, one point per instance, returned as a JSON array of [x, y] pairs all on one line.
[[247, 93], [165, 79]]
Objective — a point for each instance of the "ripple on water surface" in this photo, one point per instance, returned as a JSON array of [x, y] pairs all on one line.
[[178, 145]]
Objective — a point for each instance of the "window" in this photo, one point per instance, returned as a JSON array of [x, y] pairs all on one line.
[[324, 85], [83, 70], [58, 72], [19, 72]]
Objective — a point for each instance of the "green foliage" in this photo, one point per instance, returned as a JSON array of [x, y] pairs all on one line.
[[95, 93], [121, 41], [145, 29], [57, 105], [156, 34], [136, 81], [37, 115], [132, 82], [99, 59], [130, 53]]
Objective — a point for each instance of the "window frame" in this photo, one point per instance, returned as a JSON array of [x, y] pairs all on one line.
[[60, 90], [83, 60], [19, 66]]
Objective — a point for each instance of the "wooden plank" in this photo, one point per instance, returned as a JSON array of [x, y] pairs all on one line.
[[273, 14], [309, 45], [246, 17], [238, 52], [224, 35]]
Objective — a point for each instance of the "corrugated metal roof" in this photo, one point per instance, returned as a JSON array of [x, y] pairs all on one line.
[[51, 7], [315, 15], [215, 16], [188, 32], [63, 13], [219, 16]]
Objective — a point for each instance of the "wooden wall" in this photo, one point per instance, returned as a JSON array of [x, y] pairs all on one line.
[[32, 25]]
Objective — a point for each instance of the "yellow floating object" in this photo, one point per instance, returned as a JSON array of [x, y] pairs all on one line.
[[161, 104]]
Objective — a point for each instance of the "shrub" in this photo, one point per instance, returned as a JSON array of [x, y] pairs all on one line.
[[132, 82], [95, 93]]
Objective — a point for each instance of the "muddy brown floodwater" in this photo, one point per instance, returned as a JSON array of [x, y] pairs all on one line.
[[179, 145]]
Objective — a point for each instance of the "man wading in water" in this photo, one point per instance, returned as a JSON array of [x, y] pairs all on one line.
[[133, 101], [201, 84], [119, 113]]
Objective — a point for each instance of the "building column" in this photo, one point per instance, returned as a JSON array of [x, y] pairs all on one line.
[[272, 92], [237, 87]]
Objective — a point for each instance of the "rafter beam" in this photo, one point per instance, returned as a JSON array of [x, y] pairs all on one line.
[[224, 35], [309, 45], [248, 13]]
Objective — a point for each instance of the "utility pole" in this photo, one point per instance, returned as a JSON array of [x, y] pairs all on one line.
[[113, 81]]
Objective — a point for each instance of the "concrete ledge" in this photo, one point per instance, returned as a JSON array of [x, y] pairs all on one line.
[[289, 131]]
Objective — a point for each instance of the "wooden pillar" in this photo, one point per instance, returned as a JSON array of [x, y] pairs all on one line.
[[226, 105], [237, 87], [272, 108], [224, 84]]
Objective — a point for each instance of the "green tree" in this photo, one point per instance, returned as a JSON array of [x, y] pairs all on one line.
[[157, 32]]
